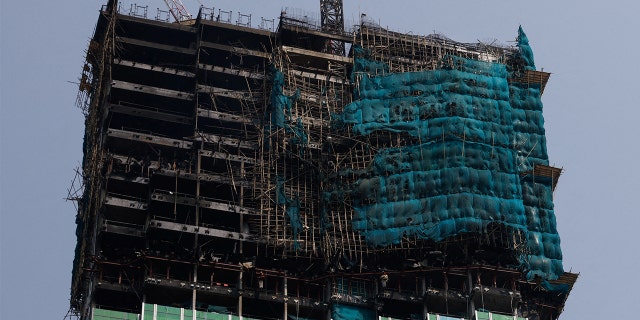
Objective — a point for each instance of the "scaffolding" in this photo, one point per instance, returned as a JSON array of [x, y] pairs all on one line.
[[230, 165]]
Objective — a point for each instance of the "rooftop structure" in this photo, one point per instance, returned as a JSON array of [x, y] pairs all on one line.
[[263, 173]]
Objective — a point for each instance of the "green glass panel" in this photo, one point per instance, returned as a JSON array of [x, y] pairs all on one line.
[[200, 315], [482, 315], [501, 317], [103, 314], [168, 310]]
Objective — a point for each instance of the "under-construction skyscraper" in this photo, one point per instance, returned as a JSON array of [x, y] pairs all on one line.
[[300, 171]]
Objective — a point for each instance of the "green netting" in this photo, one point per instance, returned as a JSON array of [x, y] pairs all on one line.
[[103, 314], [477, 134]]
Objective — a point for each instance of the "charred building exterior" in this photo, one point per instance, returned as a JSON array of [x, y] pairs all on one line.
[[305, 172]]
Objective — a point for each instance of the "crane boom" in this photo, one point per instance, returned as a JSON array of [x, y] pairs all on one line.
[[178, 10]]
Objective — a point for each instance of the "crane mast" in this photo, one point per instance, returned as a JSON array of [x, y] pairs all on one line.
[[332, 20], [178, 10]]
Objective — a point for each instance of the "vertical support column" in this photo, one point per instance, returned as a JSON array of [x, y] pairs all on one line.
[[241, 242], [446, 290], [93, 307], [470, 304], [241, 203], [517, 304], [286, 293], [175, 195], [423, 289], [376, 291], [198, 169], [240, 291], [327, 298], [195, 241]]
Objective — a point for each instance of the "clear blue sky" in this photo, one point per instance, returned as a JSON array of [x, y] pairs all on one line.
[[592, 106]]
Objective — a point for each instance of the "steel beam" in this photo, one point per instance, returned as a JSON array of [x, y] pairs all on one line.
[[217, 139], [151, 90], [148, 138], [223, 116], [236, 50], [217, 233], [150, 113], [226, 156], [227, 93], [232, 71], [144, 66], [155, 45], [125, 203]]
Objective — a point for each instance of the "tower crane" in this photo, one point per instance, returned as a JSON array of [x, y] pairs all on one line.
[[178, 10], [332, 20]]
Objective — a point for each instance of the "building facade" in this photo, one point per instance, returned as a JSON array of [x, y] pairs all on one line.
[[233, 172]]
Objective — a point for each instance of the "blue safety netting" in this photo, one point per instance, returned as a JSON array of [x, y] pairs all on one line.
[[476, 132], [280, 106], [280, 110], [545, 256], [292, 208], [525, 50], [349, 312]]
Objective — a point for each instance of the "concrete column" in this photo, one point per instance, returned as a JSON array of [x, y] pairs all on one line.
[[327, 299], [423, 288], [240, 289], [195, 240], [470, 304], [285, 315]]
